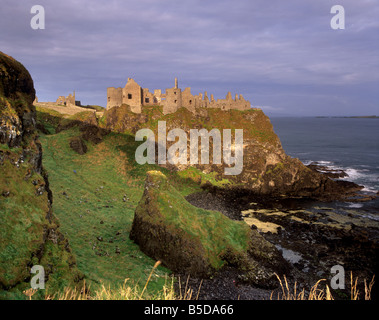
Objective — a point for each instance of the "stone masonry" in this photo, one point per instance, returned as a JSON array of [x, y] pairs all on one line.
[[173, 99], [67, 101]]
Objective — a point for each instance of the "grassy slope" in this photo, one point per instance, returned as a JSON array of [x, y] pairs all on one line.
[[22, 213], [88, 201], [23, 224], [212, 232], [26, 222]]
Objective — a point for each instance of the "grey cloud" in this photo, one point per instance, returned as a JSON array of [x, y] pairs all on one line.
[[281, 54]]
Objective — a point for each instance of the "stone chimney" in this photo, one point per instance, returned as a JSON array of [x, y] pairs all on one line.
[[176, 83]]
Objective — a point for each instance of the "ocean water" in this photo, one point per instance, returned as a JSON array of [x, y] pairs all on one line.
[[348, 144]]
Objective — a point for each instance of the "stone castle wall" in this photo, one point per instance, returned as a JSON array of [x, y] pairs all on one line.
[[173, 99], [67, 101]]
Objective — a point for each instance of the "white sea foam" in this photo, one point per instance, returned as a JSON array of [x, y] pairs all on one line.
[[355, 205], [362, 176], [370, 216], [325, 163], [307, 162], [369, 189], [354, 173]]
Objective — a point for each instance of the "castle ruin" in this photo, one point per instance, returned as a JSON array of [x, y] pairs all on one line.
[[173, 99], [68, 101]]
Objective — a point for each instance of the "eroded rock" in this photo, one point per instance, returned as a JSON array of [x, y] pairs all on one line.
[[196, 241]]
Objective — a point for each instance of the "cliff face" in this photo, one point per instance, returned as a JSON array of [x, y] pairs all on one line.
[[199, 242], [29, 231], [266, 169], [16, 97]]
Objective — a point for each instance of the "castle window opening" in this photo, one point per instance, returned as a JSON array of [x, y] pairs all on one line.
[[130, 96], [147, 100]]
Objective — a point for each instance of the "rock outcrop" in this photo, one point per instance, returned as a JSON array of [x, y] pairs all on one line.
[[199, 242], [267, 170], [30, 233]]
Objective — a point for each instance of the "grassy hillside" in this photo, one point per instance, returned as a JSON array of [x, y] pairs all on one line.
[[184, 237], [23, 207], [95, 196]]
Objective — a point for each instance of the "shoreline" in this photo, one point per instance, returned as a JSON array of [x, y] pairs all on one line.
[[311, 236]]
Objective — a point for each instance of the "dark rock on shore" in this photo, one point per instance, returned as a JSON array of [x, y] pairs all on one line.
[[331, 173], [312, 241]]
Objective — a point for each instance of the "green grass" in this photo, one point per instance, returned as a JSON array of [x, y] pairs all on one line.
[[22, 221], [89, 192], [48, 118], [212, 232], [23, 229], [89, 204]]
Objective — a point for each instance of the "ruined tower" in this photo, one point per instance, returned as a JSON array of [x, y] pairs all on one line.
[[172, 100]]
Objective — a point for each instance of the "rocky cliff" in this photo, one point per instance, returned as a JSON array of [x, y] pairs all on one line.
[[30, 233], [267, 170]]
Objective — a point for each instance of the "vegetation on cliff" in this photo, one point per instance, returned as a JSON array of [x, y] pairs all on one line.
[[30, 233], [267, 170], [184, 237]]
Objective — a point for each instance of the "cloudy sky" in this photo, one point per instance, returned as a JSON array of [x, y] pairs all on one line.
[[283, 56]]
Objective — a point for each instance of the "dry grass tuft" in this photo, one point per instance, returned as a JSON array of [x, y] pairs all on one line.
[[317, 293], [188, 292], [126, 292]]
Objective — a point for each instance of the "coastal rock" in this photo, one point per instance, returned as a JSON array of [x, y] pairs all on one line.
[[331, 173], [196, 241], [266, 169]]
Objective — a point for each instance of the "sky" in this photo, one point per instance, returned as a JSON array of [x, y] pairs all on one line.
[[282, 56]]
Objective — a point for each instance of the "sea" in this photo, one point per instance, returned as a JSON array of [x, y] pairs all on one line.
[[348, 144]]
